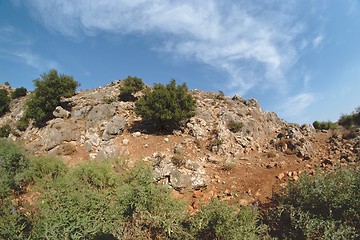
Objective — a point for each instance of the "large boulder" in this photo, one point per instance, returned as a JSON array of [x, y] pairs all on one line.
[[116, 126]]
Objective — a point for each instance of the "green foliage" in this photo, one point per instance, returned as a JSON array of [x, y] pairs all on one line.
[[349, 120], [19, 92], [166, 106], [5, 131], [13, 164], [22, 124], [96, 175], [4, 101], [325, 206], [235, 126], [7, 83], [47, 95], [324, 125], [45, 168], [148, 209], [131, 86], [219, 220]]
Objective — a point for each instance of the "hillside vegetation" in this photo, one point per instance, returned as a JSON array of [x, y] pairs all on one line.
[[130, 161]]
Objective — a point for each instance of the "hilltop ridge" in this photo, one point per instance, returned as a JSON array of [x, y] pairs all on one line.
[[230, 148]]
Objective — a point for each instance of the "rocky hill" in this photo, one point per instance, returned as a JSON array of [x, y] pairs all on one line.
[[231, 148]]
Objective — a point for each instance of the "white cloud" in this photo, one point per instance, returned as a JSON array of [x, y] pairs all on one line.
[[36, 61], [296, 105], [317, 40], [251, 41]]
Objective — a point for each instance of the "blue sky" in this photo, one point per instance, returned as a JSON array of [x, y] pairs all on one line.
[[299, 58]]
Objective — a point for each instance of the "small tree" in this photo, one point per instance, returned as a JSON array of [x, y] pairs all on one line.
[[47, 95], [166, 106], [4, 101], [19, 92], [131, 86]]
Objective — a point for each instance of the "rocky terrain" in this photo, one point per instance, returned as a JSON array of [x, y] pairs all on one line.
[[204, 159]]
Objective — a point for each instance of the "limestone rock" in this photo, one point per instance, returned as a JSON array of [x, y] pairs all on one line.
[[59, 112]]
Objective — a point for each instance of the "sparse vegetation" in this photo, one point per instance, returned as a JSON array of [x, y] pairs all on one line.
[[131, 86], [4, 101], [19, 92], [235, 126], [349, 120], [325, 206], [166, 106], [50, 88], [5, 131], [324, 125], [219, 220], [22, 124], [178, 160]]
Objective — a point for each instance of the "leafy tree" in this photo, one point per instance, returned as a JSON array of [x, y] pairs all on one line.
[[166, 106], [4, 101], [19, 92], [131, 86], [7, 83], [47, 95]]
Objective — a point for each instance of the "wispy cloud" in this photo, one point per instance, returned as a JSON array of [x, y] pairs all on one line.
[[253, 42], [16, 45], [296, 105], [317, 41], [35, 60]]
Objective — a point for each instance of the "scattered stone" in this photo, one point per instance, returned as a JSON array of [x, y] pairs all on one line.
[[136, 134], [281, 176]]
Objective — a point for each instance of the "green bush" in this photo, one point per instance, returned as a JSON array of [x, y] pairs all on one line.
[[22, 124], [47, 95], [19, 92], [131, 86], [45, 168], [148, 209], [219, 220], [235, 126], [166, 106], [5, 131], [324, 125], [325, 206], [13, 164], [4, 101]]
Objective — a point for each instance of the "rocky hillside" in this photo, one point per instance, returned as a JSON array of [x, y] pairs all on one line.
[[231, 148]]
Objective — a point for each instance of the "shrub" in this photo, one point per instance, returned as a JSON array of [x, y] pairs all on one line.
[[235, 126], [19, 92], [5, 131], [326, 206], [22, 124], [47, 95], [178, 160], [4, 102], [148, 209], [131, 86], [13, 164], [348, 120], [166, 106], [324, 125], [221, 221], [45, 168]]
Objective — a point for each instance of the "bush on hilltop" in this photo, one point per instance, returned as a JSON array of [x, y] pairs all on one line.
[[166, 106], [50, 88]]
